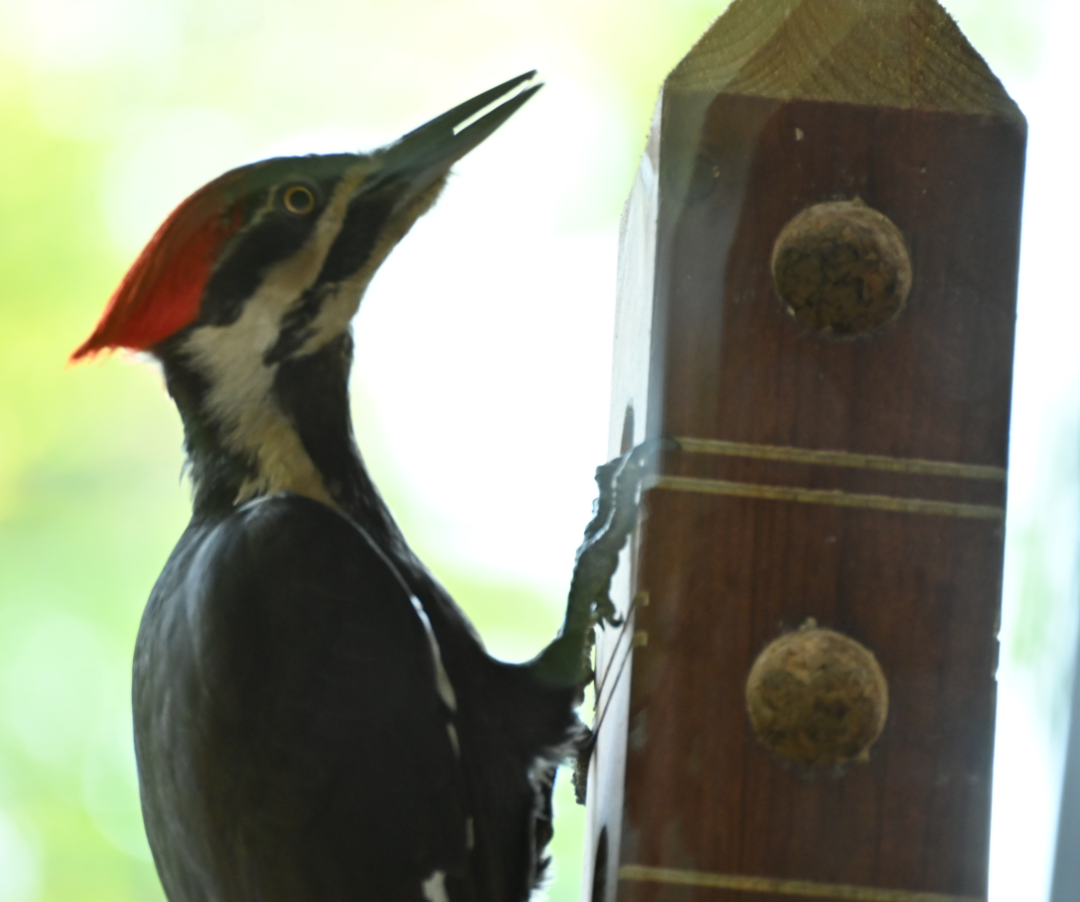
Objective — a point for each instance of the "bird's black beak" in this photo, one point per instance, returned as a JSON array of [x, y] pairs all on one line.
[[424, 155]]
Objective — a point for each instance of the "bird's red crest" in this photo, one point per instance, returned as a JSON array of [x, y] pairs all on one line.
[[162, 291]]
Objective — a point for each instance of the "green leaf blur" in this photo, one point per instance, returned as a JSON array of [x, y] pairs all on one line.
[[91, 498]]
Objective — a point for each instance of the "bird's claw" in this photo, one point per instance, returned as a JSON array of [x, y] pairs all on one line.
[[567, 659]]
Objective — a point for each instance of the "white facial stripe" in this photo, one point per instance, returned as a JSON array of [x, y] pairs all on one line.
[[240, 399], [339, 308], [231, 357]]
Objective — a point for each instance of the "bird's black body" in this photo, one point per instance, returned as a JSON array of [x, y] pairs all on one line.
[[286, 690], [315, 719], [301, 722]]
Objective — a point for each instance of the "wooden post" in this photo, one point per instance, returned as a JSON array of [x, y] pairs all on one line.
[[816, 298]]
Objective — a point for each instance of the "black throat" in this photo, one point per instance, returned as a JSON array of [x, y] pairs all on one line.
[[313, 393]]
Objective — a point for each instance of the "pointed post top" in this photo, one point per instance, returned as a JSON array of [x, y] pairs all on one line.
[[908, 54]]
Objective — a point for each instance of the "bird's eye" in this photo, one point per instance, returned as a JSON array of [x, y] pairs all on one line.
[[298, 199]]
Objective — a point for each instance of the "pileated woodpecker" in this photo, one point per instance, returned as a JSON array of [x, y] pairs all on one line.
[[315, 719]]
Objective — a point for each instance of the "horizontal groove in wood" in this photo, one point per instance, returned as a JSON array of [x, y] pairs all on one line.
[[833, 497], [782, 887], [842, 459]]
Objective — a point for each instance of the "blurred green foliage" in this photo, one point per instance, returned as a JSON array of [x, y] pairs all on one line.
[[110, 111], [91, 499]]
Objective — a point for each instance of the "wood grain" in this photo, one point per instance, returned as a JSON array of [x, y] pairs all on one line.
[[782, 105]]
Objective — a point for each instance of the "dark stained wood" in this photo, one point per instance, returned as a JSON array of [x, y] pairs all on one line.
[[708, 796], [787, 103]]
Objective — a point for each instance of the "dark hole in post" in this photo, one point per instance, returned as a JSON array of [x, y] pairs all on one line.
[[599, 874]]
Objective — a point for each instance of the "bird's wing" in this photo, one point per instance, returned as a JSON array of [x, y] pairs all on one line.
[[333, 717]]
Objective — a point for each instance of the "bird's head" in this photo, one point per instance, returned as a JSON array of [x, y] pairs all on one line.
[[264, 268]]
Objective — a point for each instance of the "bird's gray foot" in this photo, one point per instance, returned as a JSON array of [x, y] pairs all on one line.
[[567, 661]]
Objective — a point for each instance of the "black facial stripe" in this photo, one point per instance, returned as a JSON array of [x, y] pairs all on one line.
[[268, 236], [253, 251], [363, 222], [296, 324], [312, 392], [351, 249]]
